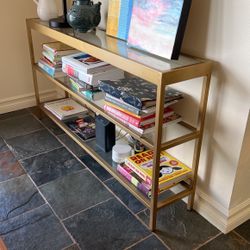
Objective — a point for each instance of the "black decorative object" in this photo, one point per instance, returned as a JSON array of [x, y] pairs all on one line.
[[105, 133], [60, 22], [84, 15]]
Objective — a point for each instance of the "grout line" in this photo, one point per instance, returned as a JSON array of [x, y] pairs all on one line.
[[84, 210], [142, 211], [13, 117], [78, 158], [206, 242], [60, 177], [44, 152], [70, 246], [13, 179], [109, 179], [24, 134], [153, 233], [57, 138], [240, 236], [134, 244], [66, 230], [135, 215]]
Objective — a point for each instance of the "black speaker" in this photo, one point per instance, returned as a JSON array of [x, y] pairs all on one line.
[[105, 133]]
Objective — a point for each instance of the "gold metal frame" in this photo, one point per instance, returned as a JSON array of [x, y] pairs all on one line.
[[201, 69]]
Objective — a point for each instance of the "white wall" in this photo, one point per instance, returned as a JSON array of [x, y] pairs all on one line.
[[219, 30], [16, 87], [241, 188]]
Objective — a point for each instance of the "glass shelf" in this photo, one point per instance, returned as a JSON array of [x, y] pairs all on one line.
[[173, 134], [118, 53], [105, 160]]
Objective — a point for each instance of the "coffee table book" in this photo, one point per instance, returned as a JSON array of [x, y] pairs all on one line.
[[65, 108]]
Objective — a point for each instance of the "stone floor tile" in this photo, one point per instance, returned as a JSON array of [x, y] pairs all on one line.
[[9, 166], [244, 230], [73, 247], [106, 226], [179, 228], [38, 229], [48, 123], [72, 145], [75, 192], [52, 165], [229, 241], [127, 198], [107, 156], [20, 125], [33, 144], [96, 168], [17, 196], [14, 114], [151, 243]]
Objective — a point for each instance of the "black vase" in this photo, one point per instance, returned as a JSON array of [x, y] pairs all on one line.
[[84, 15]]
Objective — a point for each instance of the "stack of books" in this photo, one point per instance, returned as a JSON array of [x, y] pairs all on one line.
[[133, 102], [137, 169], [85, 71], [51, 62], [65, 108]]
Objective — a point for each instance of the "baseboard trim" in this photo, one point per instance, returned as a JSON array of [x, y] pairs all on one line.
[[25, 101], [224, 219]]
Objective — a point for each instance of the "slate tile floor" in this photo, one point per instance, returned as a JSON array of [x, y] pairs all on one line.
[[55, 196]]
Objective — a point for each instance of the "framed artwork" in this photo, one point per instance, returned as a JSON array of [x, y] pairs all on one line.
[[119, 16], [157, 26]]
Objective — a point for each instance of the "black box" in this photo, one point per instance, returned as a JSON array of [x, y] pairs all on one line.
[[105, 133]]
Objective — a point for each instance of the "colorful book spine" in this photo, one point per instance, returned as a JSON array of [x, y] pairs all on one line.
[[119, 15], [134, 121], [122, 104], [93, 95], [143, 117], [51, 57], [46, 68], [130, 176], [123, 116], [138, 172]]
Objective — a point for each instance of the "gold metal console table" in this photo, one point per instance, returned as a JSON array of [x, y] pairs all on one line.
[[160, 72]]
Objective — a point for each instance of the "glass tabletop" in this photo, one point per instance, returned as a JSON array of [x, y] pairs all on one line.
[[119, 47]]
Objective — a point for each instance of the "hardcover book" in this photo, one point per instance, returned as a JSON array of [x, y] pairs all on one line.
[[58, 49], [119, 15], [158, 26], [139, 122], [136, 92], [93, 78], [65, 108], [171, 170], [137, 181], [149, 128], [85, 63], [133, 110], [52, 71]]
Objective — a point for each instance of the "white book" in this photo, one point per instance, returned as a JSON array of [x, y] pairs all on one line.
[[92, 79], [65, 108], [85, 63]]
